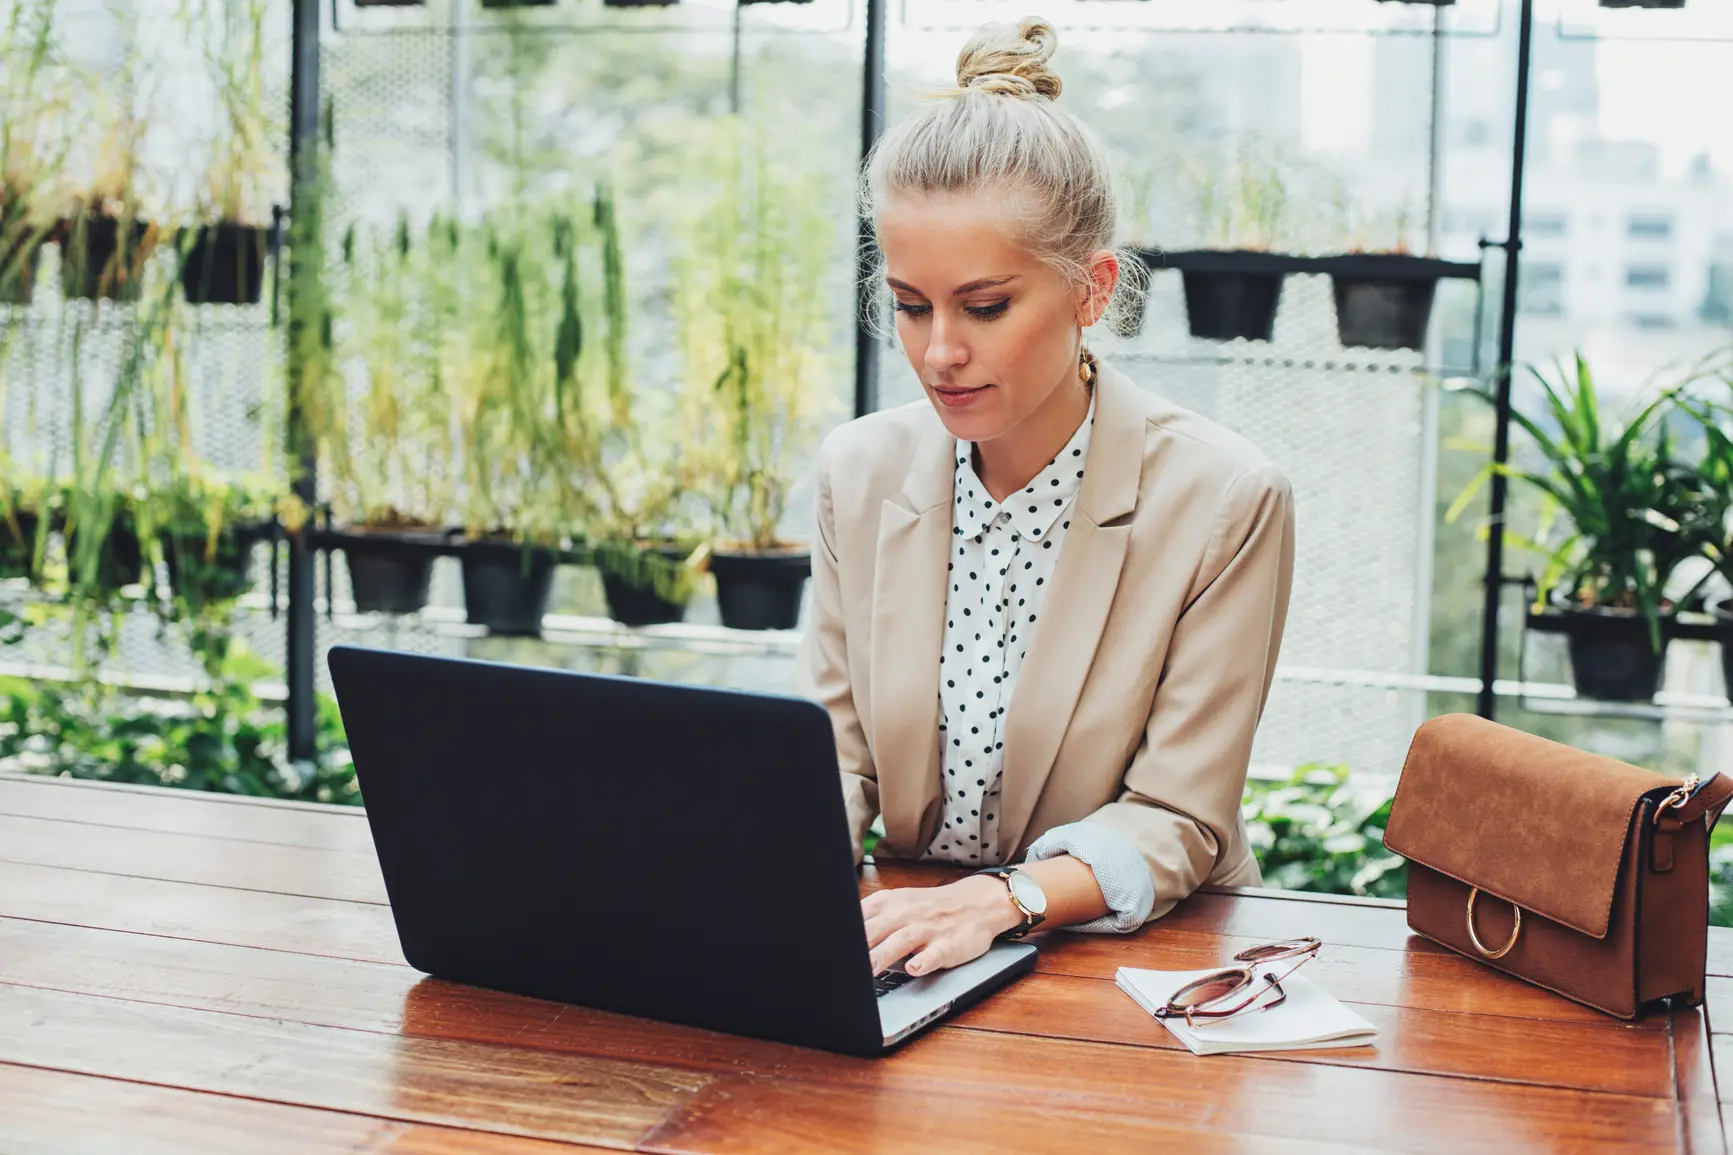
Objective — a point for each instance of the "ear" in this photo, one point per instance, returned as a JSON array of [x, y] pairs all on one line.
[[1096, 294]]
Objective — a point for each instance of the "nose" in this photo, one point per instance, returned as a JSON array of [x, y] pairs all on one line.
[[945, 350]]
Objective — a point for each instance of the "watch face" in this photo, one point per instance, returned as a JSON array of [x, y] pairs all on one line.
[[1028, 892]]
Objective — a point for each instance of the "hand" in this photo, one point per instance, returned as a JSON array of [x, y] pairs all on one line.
[[941, 926]]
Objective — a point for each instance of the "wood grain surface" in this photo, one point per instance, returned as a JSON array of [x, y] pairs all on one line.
[[184, 972]]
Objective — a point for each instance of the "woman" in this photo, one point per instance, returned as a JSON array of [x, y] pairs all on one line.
[[1046, 604]]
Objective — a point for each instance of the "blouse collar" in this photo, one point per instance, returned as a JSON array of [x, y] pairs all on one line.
[[1032, 510]]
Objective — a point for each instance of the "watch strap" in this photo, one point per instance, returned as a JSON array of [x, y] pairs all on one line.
[[1031, 920]]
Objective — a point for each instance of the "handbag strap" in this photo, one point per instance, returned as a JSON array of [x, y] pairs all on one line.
[[1708, 800]]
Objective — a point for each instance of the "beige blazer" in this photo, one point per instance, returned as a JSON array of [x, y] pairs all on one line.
[[1145, 677]]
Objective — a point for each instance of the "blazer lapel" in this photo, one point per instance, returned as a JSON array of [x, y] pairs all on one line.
[[907, 633], [1074, 613]]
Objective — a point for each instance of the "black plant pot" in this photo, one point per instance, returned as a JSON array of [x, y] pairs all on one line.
[[225, 265], [119, 561], [760, 591], [505, 587], [388, 573], [1642, 3], [95, 261], [18, 550], [390, 3], [639, 3], [1224, 306], [635, 605], [1611, 655], [198, 579], [19, 259], [1376, 314], [516, 3]]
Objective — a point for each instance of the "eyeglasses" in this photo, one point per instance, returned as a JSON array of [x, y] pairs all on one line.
[[1222, 994]]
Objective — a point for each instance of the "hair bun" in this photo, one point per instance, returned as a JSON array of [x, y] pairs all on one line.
[[1011, 61]]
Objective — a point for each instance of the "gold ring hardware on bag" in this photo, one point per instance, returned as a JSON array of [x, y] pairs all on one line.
[[1474, 936], [1677, 798]]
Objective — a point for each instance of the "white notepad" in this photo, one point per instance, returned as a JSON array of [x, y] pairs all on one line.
[[1310, 1018]]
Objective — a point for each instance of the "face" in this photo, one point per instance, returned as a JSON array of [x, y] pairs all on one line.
[[991, 330]]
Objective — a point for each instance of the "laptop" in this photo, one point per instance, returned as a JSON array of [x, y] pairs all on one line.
[[673, 852]]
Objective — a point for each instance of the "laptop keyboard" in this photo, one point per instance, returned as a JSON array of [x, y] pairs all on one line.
[[889, 981]]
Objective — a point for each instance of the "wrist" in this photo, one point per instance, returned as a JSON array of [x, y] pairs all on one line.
[[991, 900]]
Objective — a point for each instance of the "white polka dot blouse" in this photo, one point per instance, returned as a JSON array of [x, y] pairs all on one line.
[[1002, 560]]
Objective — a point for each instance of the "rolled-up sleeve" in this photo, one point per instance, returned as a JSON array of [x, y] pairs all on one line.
[[1181, 800], [1119, 870], [822, 671]]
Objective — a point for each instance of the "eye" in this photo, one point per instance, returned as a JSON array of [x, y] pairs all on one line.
[[988, 312], [912, 310]]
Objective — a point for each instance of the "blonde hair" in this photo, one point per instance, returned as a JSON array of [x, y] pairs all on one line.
[[998, 132]]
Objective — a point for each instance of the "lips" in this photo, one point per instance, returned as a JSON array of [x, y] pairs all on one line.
[[954, 398]]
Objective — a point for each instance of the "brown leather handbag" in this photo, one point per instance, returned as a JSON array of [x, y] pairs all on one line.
[[1577, 873]]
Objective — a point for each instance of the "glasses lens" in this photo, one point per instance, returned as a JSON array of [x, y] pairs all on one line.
[[1276, 950], [1207, 990]]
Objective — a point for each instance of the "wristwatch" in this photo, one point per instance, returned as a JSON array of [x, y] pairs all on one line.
[[1026, 895]]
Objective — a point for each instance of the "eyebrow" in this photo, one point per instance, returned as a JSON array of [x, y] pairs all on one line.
[[983, 283]]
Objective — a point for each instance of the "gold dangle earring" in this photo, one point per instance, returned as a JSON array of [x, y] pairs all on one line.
[[1085, 367]]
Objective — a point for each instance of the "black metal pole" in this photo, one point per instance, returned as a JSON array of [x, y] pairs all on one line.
[[304, 173], [1494, 592], [872, 126]]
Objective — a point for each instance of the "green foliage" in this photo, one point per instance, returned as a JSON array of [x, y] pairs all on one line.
[[222, 738], [1622, 508], [1317, 832], [753, 331]]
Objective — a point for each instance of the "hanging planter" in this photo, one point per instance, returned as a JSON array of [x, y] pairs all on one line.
[[18, 540], [1384, 301], [390, 572], [201, 571], [119, 559], [225, 265], [1229, 295], [1612, 657], [104, 256], [20, 254], [645, 586], [760, 591], [506, 586]]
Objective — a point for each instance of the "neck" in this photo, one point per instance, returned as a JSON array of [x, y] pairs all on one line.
[[1010, 462]]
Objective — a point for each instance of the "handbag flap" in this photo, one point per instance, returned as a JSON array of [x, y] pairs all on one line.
[[1533, 822]]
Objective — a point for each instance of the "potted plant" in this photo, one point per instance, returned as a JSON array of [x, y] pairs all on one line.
[[206, 526], [223, 262], [32, 112], [510, 398], [104, 554], [1715, 483], [23, 522], [753, 338], [106, 241], [385, 445], [1232, 289], [1384, 298], [1622, 511]]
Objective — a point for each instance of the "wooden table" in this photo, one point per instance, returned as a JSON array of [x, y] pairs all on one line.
[[184, 972]]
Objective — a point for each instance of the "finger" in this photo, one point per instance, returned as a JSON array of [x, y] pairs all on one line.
[[880, 928], [943, 952], [903, 942], [874, 903]]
